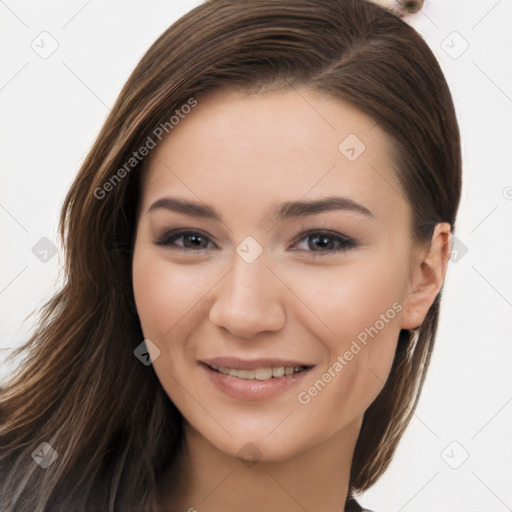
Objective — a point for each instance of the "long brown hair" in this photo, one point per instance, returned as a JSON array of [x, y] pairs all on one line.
[[80, 387]]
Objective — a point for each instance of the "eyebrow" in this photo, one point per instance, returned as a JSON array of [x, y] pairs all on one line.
[[284, 211]]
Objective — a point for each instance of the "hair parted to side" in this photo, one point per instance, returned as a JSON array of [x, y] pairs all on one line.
[[80, 388]]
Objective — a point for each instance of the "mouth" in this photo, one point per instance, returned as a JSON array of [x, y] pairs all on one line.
[[262, 373], [258, 379]]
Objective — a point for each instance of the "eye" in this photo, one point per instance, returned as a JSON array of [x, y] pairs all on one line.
[[328, 242], [191, 240], [318, 243]]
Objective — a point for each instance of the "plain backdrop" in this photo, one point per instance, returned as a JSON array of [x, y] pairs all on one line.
[[63, 65]]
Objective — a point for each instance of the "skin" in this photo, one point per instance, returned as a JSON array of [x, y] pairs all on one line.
[[242, 154]]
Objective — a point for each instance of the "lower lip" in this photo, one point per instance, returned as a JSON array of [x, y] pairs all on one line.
[[242, 389]]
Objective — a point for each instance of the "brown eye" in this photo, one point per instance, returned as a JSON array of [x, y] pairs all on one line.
[[326, 242], [189, 240]]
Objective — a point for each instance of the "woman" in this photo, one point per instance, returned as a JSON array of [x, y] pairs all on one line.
[[256, 247]]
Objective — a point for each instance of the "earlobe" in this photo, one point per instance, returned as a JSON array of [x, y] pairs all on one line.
[[427, 277]]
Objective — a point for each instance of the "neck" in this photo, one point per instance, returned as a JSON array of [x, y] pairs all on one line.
[[208, 480]]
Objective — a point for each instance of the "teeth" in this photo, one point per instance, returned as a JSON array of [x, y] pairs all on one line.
[[259, 373], [277, 371], [245, 374], [263, 373]]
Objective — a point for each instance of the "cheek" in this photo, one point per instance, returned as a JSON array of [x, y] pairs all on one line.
[[350, 302], [166, 316], [359, 309], [153, 291], [162, 310]]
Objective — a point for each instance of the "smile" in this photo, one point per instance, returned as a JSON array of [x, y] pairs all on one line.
[[267, 373], [256, 379]]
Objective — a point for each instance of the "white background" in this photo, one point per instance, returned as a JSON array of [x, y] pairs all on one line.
[[53, 108]]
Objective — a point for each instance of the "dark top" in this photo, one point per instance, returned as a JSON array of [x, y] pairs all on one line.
[[353, 506]]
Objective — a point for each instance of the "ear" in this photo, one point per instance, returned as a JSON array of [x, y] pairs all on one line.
[[427, 277]]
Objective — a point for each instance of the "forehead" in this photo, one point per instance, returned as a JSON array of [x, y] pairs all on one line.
[[248, 150]]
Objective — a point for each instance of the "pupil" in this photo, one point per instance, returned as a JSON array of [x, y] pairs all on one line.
[[322, 240], [196, 239]]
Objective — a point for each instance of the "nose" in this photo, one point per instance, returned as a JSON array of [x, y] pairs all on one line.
[[249, 300]]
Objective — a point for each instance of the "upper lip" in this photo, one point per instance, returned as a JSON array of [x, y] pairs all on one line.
[[240, 364]]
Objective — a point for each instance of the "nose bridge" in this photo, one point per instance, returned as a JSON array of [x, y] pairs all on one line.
[[248, 281], [249, 298]]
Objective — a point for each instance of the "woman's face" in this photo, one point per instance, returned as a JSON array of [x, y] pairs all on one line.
[[240, 267]]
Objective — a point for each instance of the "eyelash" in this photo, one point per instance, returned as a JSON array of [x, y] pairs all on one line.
[[345, 243]]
